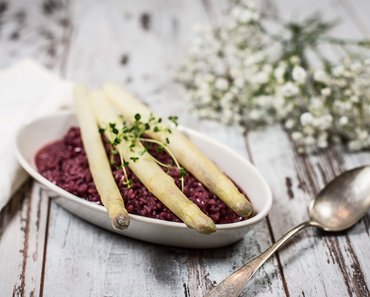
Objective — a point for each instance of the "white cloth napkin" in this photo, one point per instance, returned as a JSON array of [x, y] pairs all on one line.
[[27, 90]]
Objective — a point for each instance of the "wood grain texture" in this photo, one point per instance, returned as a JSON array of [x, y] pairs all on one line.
[[324, 255], [139, 44], [22, 241], [34, 29], [146, 26]]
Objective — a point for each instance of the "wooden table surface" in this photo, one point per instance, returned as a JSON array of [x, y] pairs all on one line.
[[46, 251]]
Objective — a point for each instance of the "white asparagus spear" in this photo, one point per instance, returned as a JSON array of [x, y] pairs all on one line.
[[185, 151], [98, 161], [150, 174]]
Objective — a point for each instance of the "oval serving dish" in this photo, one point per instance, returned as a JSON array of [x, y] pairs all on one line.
[[33, 136]]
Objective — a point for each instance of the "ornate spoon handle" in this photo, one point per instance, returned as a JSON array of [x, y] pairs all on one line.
[[234, 284]]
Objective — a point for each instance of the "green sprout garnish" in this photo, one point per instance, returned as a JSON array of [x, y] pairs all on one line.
[[133, 133], [173, 120]]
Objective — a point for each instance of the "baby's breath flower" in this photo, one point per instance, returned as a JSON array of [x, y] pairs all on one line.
[[260, 78], [245, 16], [338, 70], [229, 76], [289, 89], [308, 130], [299, 74], [356, 66], [326, 92], [297, 136], [309, 140], [354, 99], [236, 12], [316, 103], [343, 121], [239, 82], [279, 74], [295, 60], [289, 124], [363, 135], [347, 92], [322, 143], [306, 119], [326, 121], [320, 75], [256, 16], [222, 84]]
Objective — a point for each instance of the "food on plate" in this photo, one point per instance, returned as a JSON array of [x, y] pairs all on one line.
[[65, 164], [134, 154], [98, 161], [183, 150], [134, 166]]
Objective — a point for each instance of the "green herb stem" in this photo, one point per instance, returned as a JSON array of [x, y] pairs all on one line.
[[170, 153]]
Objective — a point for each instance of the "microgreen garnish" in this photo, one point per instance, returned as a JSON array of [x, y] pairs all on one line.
[[114, 140], [159, 149], [173, 120], [133, 134], [128, 183]]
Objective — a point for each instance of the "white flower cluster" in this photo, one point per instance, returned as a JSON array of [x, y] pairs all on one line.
[[228, 76]]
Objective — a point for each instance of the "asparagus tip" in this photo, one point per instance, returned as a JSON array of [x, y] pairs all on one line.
[[121, 221], [244, 209], [205, 225]]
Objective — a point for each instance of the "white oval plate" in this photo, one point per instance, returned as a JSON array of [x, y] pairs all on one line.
[[44, 130]]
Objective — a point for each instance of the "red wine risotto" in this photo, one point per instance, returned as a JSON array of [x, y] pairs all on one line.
[[65, 164]]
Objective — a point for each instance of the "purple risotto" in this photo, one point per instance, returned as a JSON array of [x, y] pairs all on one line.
[[65, 164]]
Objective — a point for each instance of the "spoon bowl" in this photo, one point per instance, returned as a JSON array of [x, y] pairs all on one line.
[[337, 207], [343, 201]]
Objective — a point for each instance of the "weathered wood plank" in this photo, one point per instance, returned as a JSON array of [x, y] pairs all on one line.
[[37, 30], [281, 11], [320, 264], [331, 163], [94, 262], [357, 11], [275, 160], [22, 239], [139, 46], [298, 177], [123, 54], [27, 29]]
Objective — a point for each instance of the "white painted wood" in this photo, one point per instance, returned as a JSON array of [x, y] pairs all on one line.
[[32, 29], [330, 265], [314, 263], [330, 10], [153, 83], [358, 12], [22, 239], [275, 160], [94, 262], [152, 38]]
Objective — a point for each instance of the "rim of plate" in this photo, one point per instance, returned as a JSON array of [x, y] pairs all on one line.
[[33, 172]]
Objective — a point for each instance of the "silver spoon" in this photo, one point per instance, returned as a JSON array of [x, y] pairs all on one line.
[[337, 207]]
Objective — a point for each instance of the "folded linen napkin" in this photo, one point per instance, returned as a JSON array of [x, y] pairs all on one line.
[[27, 90]]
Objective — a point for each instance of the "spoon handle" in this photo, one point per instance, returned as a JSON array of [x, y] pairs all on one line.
[[234, 284]]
